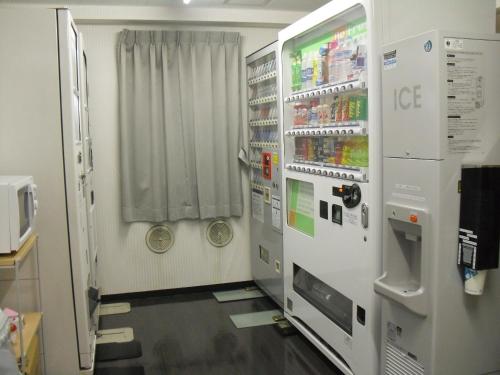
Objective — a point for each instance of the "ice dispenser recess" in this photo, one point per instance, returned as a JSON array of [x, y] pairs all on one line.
[[404, 257]]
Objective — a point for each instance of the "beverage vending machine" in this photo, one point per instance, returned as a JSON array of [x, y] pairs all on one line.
[[440, 281], [264, 151], [332, 164]]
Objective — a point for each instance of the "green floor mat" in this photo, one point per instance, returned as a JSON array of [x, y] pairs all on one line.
[[260, 318], [238, 294], [114, 308]]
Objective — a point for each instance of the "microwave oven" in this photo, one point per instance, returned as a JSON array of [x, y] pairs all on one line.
[[18, 206]]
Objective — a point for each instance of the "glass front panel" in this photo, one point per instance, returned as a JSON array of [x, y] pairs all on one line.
[[326, 99], [263, 120]]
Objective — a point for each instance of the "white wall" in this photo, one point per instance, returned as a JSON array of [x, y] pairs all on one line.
[[125, 263]]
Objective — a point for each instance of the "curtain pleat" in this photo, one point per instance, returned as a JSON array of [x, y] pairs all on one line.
[[180, 125]]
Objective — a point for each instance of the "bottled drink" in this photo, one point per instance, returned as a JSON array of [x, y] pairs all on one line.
[[363, 156], [298, 71], [334, 108], [296, 114], [322, 77], [309, 75], [356, 145], [338, 61], [304, 115], [353, 102], [304, 72], [360, 63], [345, 109], [332, 64], [338, 111], [339, 148], [310, 149], [315, 66], [321, 116], [346, 152], [329, 150], [314, 114], [361, 108], [347, 66], [331, 61]]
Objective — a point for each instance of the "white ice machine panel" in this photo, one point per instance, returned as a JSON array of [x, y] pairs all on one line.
[[437, 102], [411, 98]]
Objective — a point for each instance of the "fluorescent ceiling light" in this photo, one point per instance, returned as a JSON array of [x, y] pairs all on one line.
[[186, 1]]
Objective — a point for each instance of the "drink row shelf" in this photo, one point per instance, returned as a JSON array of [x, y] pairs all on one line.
[[263, 122], [264, 144], [346, 128], [333, 171], [325, 90], [262, 78], [262, 100]]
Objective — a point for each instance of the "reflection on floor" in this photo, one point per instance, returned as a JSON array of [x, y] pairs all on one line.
[[193, 334]]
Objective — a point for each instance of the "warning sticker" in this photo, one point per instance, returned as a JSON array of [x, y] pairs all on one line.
[[454, 44], [276, 211], [258, 205], [390, 60], [465, 96]]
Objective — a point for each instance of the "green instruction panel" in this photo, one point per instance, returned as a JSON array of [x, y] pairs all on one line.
[[300, 205]]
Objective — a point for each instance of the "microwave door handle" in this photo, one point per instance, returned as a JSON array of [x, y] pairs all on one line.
[[34, 201]]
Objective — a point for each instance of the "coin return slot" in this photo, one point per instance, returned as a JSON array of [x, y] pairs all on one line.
[[323, 209], [337, 214], [361, 315]]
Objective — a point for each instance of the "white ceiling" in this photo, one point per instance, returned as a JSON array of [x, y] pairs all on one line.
[[294, 5]]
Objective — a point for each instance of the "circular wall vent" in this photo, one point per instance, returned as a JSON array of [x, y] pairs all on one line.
[[219, 233], [159, 239]]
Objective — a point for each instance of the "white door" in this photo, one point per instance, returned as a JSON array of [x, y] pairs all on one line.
[[88, 165], [69, 56]]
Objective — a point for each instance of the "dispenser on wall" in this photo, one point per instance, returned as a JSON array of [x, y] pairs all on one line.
[[479, 232]]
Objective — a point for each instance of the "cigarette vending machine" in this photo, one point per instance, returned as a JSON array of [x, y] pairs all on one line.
[[332, 155], [440, 281], [264, 152]]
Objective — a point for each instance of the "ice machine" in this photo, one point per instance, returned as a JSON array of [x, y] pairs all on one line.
[[440, 281]]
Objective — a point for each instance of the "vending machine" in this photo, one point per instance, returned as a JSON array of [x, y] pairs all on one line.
[[265, 152], [440, 280], [330, 63]]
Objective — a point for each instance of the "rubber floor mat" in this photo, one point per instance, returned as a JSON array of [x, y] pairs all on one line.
[[120, 371], [260, 318], [114, 351]]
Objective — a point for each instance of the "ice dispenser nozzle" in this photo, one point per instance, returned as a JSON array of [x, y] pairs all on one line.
[[404, 257]]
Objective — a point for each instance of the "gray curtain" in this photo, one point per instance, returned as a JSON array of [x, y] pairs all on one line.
[[180, 125]]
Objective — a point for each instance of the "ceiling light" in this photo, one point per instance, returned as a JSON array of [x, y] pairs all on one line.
[[186, 1]]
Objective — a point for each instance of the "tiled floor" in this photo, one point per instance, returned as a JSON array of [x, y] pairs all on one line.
[[193, 334]]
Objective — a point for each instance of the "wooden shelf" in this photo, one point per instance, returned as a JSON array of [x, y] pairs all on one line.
[[30, 328], [10, 260]]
